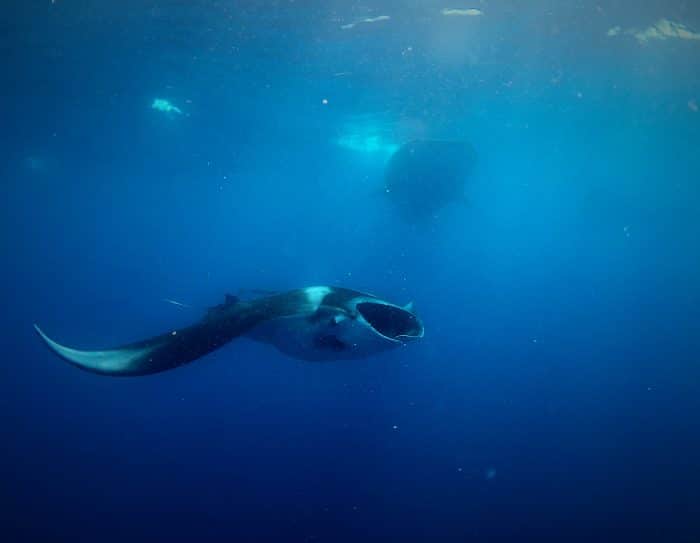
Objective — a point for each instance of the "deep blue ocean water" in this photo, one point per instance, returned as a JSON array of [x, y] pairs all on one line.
[[556, 394]]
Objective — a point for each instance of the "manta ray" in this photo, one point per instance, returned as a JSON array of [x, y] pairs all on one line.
[[423, 176], [319, 323]]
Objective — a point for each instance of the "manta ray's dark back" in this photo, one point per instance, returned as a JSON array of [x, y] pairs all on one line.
[[423, 176]]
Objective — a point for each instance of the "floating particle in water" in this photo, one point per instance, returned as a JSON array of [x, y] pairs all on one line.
[[175, 302], [164, 106], [693, 106], [490, 474], [453, 12], [367, 20], [663, 29], [324, 101], [376, 19]]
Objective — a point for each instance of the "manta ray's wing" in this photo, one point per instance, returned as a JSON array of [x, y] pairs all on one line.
[[165, 351]]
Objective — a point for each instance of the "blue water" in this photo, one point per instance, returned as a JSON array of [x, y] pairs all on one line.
[[556, 394]]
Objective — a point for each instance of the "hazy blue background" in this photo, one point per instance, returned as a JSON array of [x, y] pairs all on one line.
[[556, 394]]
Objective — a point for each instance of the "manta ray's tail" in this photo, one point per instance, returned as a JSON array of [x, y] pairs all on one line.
[[166, 351]]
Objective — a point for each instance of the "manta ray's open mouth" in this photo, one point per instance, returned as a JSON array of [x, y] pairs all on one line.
[[390, 321]]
